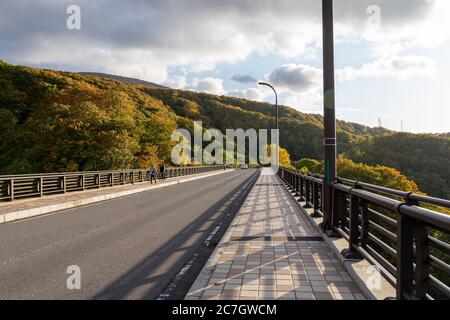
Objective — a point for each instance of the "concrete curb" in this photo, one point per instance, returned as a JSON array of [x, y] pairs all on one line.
[[28, 213], [357, 269]]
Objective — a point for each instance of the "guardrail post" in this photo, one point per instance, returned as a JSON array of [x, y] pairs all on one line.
[[64, 184], [307, 194], [132, 177], [315, 200], [41, 186], [11, 189], [83, 182], [353, 231], [364, 223], [422, 256], [338, 208], [97, 178], [293, 181], [302, 188], [405, 257]]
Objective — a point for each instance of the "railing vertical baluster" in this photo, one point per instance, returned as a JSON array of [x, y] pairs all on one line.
[[97, 178], [64, 184], [405, 257], [83, 181]]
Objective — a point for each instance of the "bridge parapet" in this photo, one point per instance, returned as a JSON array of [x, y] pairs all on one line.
[[42, 184], [400, 232]]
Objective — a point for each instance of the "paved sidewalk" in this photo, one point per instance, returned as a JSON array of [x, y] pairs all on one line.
[[21, 209], [271, 251]]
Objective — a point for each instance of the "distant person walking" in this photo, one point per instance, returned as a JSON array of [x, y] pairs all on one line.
[[152, 172], [162, 171]]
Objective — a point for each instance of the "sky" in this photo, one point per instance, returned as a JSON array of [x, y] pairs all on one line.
[[392, 56]]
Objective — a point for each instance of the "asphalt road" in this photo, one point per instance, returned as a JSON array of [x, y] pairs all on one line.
[[127, 248]]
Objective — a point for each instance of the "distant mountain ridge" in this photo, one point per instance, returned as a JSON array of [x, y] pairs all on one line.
[[123, 79], [54, 121]]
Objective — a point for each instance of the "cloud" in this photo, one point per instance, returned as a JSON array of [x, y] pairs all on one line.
[[176, 82], [145, 38], [296, 77], [209, 85], [303, 83], [249, 94], [396, 66], [243, 78]]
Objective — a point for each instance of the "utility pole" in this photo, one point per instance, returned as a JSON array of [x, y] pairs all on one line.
[[329, 116]]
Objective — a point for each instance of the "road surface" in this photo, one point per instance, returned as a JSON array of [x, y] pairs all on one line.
[[127, 248]]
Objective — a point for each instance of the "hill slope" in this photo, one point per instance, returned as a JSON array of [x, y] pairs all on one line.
[[60, 121], [122, 79]]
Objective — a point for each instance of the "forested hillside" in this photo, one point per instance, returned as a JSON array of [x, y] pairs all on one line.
[[423, 158], [60, 121]]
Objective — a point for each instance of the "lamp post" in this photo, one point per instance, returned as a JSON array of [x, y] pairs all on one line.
[[276, 101], [329, 116], [277, 156]]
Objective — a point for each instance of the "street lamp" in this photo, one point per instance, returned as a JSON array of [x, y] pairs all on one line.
[[277, 156], [276, 101]]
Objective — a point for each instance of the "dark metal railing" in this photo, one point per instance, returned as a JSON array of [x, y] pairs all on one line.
[[400, 232], [14, 187]]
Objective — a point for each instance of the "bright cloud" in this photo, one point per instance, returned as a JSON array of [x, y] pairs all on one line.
[[396, 66], [209, 85], [176, 82], [253, 94]]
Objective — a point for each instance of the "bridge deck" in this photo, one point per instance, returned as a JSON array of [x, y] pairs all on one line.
[[271, 251], [25, 208]]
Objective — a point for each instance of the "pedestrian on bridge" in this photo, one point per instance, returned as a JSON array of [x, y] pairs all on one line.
[[162, 171], [152, 173]]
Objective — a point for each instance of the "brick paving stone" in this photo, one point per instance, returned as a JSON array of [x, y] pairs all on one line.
[[260, 258]]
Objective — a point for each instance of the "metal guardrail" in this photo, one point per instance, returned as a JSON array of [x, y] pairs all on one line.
[[390, 228], [38, 185]]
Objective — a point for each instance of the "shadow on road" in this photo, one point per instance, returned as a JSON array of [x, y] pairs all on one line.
[[222, 213]]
